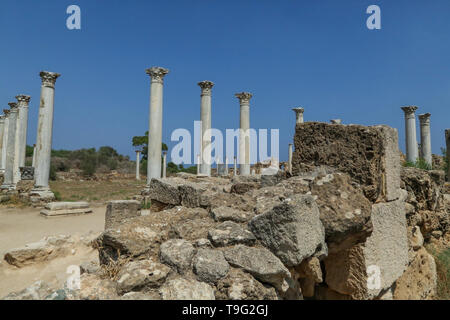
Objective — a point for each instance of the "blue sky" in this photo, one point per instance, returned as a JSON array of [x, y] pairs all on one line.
[[315, 54]]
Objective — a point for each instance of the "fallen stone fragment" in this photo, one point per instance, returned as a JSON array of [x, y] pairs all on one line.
[[141, 274], [53, 209], [177, 253], [37, 291], [210, 265], [240, 285], [261, 263], [119, 210], [230, 214], [184, 289], [149, 295], [292, 230], [230, 233]]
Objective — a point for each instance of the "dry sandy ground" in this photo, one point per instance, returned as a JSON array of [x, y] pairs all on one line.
[[21, 226]]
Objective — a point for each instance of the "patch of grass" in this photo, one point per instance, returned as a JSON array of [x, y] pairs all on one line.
[[442, 259], [57, 195], [420, 164]]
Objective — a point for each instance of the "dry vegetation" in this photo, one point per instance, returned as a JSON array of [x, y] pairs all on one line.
[[96, 191]]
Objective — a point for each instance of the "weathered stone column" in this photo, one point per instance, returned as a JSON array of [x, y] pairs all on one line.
[[2, 132], [22, 126], [44, 136], [164, 169], [8, 180], [244, 133], [425, 137], [198, 164], [412, 151], [226, 165], [138, 164], [447, 143], [235, 167], [155, 122], [5, 139], [290, 158], [205, 118], [298, 115], [33, 163]]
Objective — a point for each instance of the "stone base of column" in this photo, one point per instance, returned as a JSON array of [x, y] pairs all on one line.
[[41, 195], [7, 187]]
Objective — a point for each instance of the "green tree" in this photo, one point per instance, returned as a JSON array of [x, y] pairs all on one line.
[[142, 141]]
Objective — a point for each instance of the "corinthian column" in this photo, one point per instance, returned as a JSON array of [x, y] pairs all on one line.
[[205, 118], [447, 143], [5, 139], [2, 130], [22, 126], [425, 137], [138, 164], [44, 135], [8, 180], [244, 133], [155, 123], [298, 115], [412, 152]]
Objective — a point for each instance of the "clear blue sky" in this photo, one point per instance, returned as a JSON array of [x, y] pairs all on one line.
[[315, 54]]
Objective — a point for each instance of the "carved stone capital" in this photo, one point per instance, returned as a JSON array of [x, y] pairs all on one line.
[[48, 78], [6, 112], [298, 110], [409, 109], [425, 118], [23, 100], [13, 106], [157, 74], [244, 97], [206, 87]]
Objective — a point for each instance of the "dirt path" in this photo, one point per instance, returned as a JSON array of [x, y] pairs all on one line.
[[21, 226]]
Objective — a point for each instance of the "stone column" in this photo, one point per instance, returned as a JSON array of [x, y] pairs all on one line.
[[21, 135], [155, 122], [33, 163], [23, 103], [244, 133], [138, 164], [226, 165], [205, 118], [2, 130], [5, 140], [45, 135], [290, 158], [8, 180], [425, 138], [164, 169], [298, 115], [447, 143], [198, 164], [235, 167], [412, 151]]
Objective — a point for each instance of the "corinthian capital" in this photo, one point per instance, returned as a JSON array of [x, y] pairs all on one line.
[[244, 97], [13, 106], [48, 78], [409, 109], [425, 118], [206, 87], [23, 100], [6, 112], [157, 74], [299, 110]]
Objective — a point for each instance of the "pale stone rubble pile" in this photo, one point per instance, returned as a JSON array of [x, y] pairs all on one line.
[[350, 224]]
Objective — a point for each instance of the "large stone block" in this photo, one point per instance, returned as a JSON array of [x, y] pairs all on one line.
[[119, 210], [292, 230], [370, 155], [366, 270]]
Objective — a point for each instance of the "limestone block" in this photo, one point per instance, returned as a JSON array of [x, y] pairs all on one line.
[[119, 210]]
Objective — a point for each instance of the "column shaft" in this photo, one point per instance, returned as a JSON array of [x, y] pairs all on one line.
[[244, 133], [33, 163], [425, 138], [290, 159], [412, 152], [164, 174], [2, 132], [298, 115], [8, 180], [45, 130], [447, 143], [205, 118], [23, 102], [155, 123], [5, 140], [138, 165]]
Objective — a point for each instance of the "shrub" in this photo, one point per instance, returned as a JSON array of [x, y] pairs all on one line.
[[420, 164]]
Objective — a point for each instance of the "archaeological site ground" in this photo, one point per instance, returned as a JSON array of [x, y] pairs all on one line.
[[122, 200]]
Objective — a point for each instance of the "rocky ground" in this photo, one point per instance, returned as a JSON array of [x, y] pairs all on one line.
[[352, 223]]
